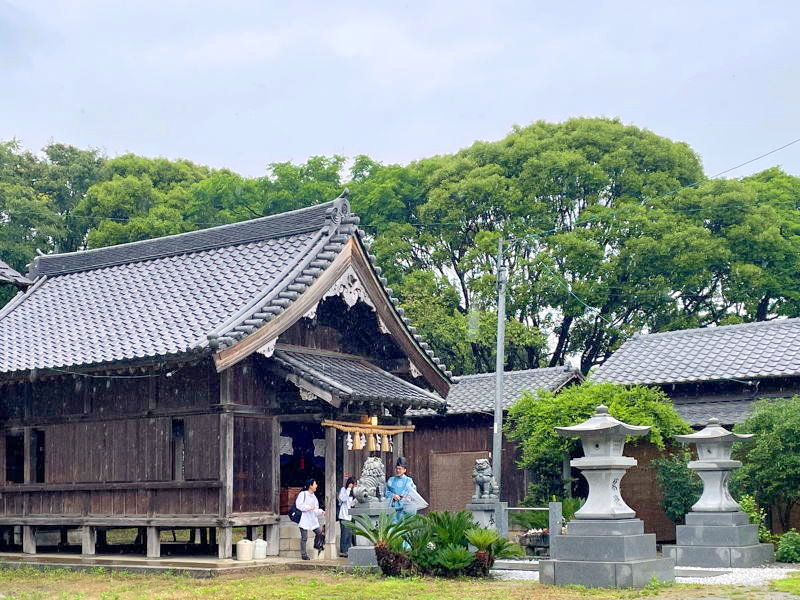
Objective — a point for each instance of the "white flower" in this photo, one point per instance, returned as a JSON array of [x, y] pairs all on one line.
[[431, 546]]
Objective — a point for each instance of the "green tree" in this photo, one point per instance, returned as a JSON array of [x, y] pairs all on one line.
[[771, 470], [533, 418]]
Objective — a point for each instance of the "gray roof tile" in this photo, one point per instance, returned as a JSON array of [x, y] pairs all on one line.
[[170, 295], [352, 377], [729, 412], [750, 350], [475, 393]]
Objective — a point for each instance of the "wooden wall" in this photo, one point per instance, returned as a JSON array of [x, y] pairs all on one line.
[[109, 447], [252, 464], [460, 433]]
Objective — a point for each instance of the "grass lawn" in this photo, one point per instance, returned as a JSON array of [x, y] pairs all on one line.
[[789, 585], [30, 584]]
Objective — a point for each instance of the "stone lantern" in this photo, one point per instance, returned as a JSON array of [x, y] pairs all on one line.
[[605, 546], [717, 533]]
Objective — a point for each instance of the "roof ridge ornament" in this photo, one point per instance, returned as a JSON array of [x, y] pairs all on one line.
[[340, 208]]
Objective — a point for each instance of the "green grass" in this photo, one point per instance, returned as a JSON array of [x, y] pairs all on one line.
[[59, 584], [789, 585]]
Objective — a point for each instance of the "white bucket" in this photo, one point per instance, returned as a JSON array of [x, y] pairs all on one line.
[[259, 548], [244, 550]]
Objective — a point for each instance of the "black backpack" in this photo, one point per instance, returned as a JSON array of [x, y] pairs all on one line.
[[294, 512]]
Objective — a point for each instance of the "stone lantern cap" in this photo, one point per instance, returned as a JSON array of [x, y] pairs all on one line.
[[603, 438], [714, 444], [602, 423], [713, 432]]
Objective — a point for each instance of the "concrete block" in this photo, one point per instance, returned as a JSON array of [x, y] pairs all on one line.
[[629, 574], [716, 535], [607, 527], [699, 556], [603, 548], [294, 543], [721, 557], [752, 556], [362, 556], [717, 518]]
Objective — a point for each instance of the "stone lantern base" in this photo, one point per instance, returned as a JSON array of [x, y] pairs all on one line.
[[719, 539], [612, 553], [491, 514]]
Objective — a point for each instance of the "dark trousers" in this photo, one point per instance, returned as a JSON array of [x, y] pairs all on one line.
[[304, 540], [346, 539]]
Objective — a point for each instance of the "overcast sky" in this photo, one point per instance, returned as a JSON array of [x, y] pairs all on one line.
[[242, 84]]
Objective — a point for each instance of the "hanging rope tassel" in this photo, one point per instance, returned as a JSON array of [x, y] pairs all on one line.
[[385, 443], [359, 442], [371, 443]]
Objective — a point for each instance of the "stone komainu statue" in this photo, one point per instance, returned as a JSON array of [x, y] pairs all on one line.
[[372, 482], [485, 484]]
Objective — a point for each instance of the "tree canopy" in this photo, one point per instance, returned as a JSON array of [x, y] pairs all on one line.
[[609, 230]]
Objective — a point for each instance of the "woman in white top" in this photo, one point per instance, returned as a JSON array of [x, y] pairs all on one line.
[[308, 504], [346, 500]]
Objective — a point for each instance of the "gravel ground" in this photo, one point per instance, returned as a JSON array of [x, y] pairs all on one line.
[[749, 577]]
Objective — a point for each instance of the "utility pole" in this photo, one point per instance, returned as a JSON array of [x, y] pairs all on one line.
[[497, 439]]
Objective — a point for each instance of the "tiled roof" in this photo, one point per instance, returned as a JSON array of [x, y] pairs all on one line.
[[729, 412], [475, 393], [352, 377], [747, 351], [9, 275], [193, 292]]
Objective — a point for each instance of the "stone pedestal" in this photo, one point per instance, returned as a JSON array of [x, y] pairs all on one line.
[[491, 514], [605, 545], [362, 553], [717, 533], [719, 539]]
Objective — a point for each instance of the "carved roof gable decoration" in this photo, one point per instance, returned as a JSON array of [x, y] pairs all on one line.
[[350, 289]]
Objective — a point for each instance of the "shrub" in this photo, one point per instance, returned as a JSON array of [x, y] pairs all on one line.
[[771, 471], [789, 547], [434, 544], [680, 487], [758, 516]]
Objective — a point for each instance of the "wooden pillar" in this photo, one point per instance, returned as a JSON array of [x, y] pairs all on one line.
[[397, 450], [153, 542], [225, 545], [28, 539], [225, 542], [275, 474], [88, 540], [330, 493]]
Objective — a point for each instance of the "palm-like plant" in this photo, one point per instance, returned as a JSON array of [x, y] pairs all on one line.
[[453, 559], [387, 536], [451, 528]]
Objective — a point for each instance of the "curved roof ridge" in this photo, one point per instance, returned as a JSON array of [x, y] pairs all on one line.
[[564, 368], [716, 328], [281, 225]]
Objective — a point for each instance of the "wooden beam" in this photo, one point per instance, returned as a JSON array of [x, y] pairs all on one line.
[[230, 356], [330, 493], [153, 542], [86, 487]]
